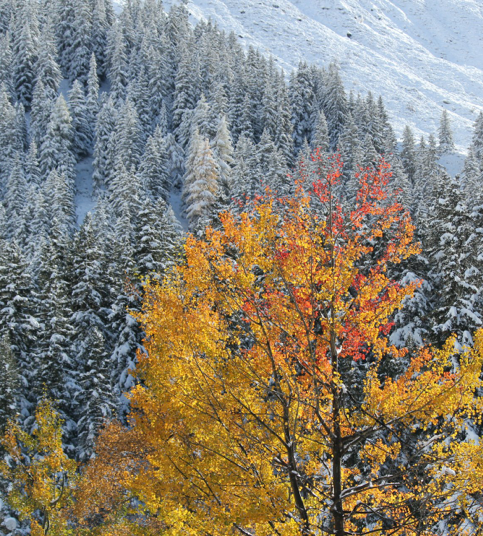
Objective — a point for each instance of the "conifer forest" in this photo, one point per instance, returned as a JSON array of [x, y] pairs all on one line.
[[232, 302]]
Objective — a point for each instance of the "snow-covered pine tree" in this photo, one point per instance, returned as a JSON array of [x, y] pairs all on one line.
[[126, 144], [271, 167], [246, 181], [6, 65], [153, 169], [175, 161], [96, 397], [91, 335], [125, 190], [477, 140], [446, 141], [32, 166], [105, 128], [8, 142], [81, 126], [9, 383], [283, 129], [47, 70], [15, 202], [117, 63], [25, 49], [18, 310], [408, 153], [55, 368], [455, 269], [302, 98], [60, 193], [223, 153], [320, 139], [100, 28], [92, 97], [334, 104], [187, 87], [56, 149]]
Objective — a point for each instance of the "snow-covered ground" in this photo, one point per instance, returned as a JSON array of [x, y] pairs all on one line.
[[422, 56], [84, 199]]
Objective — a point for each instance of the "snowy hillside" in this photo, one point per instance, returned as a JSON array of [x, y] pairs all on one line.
[[422, 56]]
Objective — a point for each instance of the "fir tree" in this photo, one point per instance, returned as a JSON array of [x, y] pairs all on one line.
[[6, 65], [10, 383], [118, 68], [335, 104], [408, 153], [56, 149], [446, 142], [105, 128], [25, 49], [153, 169], [81, 126], [47, 70]]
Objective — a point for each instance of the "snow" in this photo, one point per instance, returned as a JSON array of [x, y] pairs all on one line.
[[84, 200], [422, 56], [176, 205], [453, 163], [10, 523]]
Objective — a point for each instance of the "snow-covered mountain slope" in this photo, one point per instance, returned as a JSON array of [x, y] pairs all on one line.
[[422, 56]]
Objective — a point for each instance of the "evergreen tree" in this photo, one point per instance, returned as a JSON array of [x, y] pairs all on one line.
[[6, 65], [246, 181], [32, 166], [335, 104], [127, 143], [92, 97], [65, 31], [284, 129], [153, 169], [55, 367], [96, 397], [186, 92], [42, 104], [81, 42], [100, 28], [25, 49], [18, 307], [320, 138], [271, 166], [175, 161], [446, 142], [10, 383], [81, 126], [90, 353], [48, 72], [477, 140], [8, 143], [56, 150], [105, 128], [15, 202], [125, 191], [408, 153], [60, 192], [117, 61], [302, 99], [456, 270]]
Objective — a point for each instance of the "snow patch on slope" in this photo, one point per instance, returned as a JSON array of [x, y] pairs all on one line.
[[422, 56], [84, 199]]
